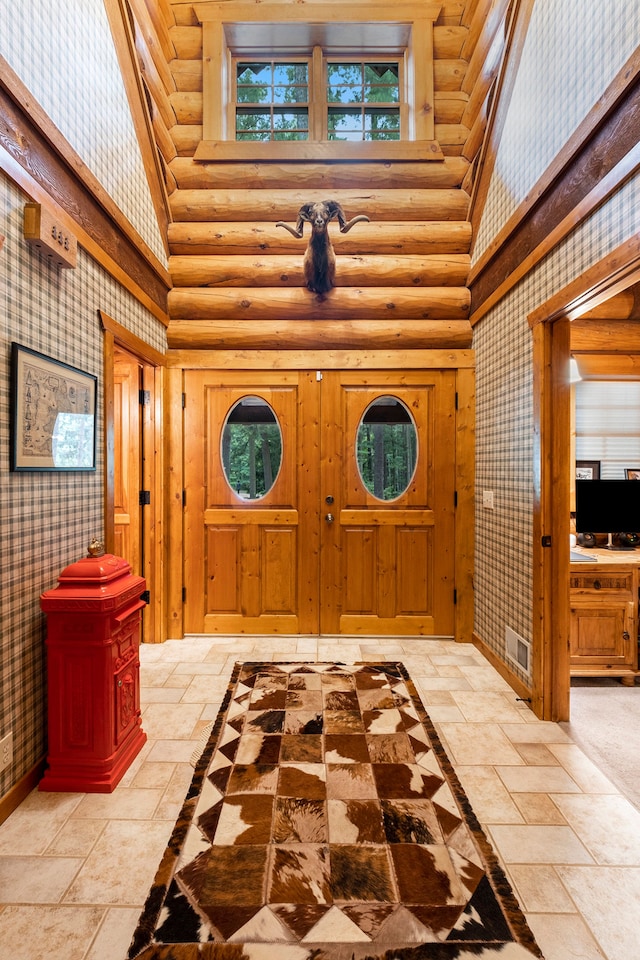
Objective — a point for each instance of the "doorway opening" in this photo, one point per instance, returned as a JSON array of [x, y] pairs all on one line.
[[552, 346], [335, 511], [133, 382]]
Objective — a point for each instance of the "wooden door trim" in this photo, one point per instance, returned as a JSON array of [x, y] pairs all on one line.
[[463, 361], [550, 325], [153, 363], [320, 359]]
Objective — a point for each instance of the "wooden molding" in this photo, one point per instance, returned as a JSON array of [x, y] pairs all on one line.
[[614, 273], [129, 67], [319, 359], [551, 331], [153, 478], [21, 790], [130, 342], [514, 681], [330, 10], [35, 155], [597, 159], [324, 151]]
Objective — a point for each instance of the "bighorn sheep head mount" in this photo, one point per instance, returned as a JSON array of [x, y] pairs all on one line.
[[319, 258]]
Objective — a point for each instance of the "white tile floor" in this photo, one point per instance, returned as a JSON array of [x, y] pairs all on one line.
[[75, 869]]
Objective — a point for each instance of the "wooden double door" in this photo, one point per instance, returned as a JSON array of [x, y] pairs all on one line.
[[319, 552]]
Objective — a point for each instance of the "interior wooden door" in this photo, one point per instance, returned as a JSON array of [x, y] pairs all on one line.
[[251, 563], [127, 458], [388, 565], [319, 552]]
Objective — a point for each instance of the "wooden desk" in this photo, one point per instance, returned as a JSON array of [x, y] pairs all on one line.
[[604, 614]]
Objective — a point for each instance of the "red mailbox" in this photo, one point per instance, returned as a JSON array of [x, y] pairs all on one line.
[[93, 642]]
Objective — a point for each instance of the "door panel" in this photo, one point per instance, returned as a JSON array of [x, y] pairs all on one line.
[[319, 552], [250, 565], [379, 569], [127, 456]]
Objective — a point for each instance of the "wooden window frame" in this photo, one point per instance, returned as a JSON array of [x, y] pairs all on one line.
[[317, 103], [417, 20], [233, 103]]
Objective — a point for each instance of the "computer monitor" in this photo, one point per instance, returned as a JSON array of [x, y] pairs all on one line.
[[607, 506]]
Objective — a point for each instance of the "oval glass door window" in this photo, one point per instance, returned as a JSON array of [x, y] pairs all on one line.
[[251, 448], [387, 448]]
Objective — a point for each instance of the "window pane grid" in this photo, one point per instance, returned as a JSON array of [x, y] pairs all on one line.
[[272, 100], [272, 123], [362, 99], [364, 123]]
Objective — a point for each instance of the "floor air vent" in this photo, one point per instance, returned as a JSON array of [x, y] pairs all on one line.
[[518, 649]]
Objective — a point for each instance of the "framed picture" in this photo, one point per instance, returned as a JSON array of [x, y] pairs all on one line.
[[587, 469], [632, 473], [53, 413]]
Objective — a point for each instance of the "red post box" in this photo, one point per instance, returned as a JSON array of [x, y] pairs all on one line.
[[93, 643]]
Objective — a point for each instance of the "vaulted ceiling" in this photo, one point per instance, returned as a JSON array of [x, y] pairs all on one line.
[[237, 281]]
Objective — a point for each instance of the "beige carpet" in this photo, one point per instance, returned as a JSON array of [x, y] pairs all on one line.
[[605, 723]]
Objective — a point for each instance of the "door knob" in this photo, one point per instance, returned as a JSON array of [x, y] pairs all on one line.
[[329, 517], [328, 499]]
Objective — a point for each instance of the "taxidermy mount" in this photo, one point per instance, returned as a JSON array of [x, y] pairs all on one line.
[[319, 258]]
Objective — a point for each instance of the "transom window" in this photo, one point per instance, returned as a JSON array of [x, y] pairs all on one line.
[[355, 100]]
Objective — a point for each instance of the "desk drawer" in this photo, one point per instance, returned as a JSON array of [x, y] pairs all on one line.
[[601, 582]]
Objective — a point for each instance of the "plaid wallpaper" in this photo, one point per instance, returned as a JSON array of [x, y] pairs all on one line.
[[504, 428], [46, 519], [63, 51], [573, 51]]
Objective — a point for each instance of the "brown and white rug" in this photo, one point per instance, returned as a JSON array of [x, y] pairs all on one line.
[[325, 822]]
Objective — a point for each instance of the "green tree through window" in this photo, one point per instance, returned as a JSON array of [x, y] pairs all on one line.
[[362, 100]]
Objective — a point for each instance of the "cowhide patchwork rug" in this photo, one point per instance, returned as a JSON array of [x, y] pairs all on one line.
[[325, 822]]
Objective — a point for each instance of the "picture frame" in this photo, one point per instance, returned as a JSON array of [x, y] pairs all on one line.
[[632, 473], [587, 469], [53, 414]]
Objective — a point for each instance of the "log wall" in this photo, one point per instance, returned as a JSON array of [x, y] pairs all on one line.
[[228, 261]]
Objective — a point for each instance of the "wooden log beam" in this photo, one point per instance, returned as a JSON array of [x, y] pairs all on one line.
[[187, 75], [601, 153], [449, 107], [448, 42], [251, 239], [449, 74], [317, 151], [154, 33], [439, 270], [187, 106], [605, 366], [298, 303], [187, 42], [485, 41], [381, 204], [605, 336], [446, 174], [618, 307], [318, 334]]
